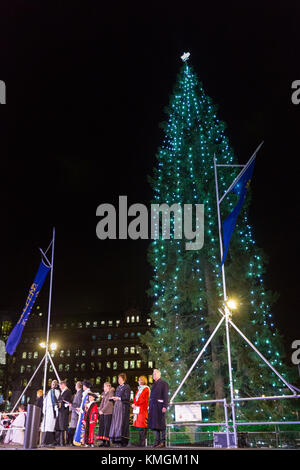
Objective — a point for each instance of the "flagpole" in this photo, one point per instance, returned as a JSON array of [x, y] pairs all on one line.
[[49, 312], [220, 230], [226, 308], [241, 173]]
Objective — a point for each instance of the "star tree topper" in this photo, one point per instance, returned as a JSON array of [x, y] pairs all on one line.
[[185, 56]]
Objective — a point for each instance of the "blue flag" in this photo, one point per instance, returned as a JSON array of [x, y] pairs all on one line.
[[240, 188], [15, 335]]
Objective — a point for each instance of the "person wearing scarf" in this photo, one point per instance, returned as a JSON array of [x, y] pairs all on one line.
[[89, 419], [140, 409], [50, 413], [80, 428]]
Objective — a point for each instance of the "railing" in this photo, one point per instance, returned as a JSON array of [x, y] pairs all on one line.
[[227, 426]]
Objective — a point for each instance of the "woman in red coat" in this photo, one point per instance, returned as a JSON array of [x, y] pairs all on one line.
[[140, 409]]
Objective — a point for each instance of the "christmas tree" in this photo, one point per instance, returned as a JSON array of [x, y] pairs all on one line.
[[186, 287]]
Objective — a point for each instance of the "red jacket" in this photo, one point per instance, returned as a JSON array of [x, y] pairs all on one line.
[[141, 400]]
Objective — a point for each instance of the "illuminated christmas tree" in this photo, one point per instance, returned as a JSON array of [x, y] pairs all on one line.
[[186, 288]]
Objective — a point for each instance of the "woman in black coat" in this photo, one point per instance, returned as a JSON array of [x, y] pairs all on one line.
[[119, 429]]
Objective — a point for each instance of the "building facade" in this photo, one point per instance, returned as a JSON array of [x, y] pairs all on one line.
[[95, 347]]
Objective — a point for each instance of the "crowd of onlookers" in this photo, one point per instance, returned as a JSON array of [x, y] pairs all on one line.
[[70, 418]]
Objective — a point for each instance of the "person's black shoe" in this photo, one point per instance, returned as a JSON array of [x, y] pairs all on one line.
[[161, 444]]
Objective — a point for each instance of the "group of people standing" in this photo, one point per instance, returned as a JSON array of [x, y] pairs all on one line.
[[113, 413]]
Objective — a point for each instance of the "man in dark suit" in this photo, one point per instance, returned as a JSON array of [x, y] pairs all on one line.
[[62, 422], [157, 409]]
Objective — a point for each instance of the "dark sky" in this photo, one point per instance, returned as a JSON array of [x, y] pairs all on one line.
[[86, 90]]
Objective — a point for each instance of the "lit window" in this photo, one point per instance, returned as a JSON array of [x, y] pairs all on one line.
[[68, 353], [108, 365], [115, 350], [149, 321], [132, 364], [87, 324], [138, 364], [117, 322], [108, 379], [126, 350], [150, 379], [67, 367], [125, 364], [24, 355], [99, 365], [22, 369], [82, 367], [60, 367], [95, 324], [150, 364], [80, 325], [115, 365], [109, 336], [127, 319], [132, 319], [99, 351], [114, 379], [35, 355], [28, 368], [98, 380], [138, 349], [132, 350], [29, 355], [61, 354], [137, 318], [110, 322], [108, 352], [102, 322], [83, 352]]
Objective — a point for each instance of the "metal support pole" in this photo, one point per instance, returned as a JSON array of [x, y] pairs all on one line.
[[226, 421], [52, 363], [262, 357], [232, 404], [197, 358], [28, 384], [49, 312]]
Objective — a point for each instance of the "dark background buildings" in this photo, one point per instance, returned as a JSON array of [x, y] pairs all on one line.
[[86, 89]]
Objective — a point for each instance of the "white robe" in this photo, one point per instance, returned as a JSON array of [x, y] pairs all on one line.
[[15, 433], [48, 423]]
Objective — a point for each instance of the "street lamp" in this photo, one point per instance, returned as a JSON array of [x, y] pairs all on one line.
[[53, 346], [231, 304]]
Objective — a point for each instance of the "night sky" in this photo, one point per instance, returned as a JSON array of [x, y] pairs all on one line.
[[86, 91]]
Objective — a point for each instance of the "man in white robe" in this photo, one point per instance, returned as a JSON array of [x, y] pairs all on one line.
[[50, 411]]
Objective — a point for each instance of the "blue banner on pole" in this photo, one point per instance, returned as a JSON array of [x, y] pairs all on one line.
[[15, 336], [240, 188]]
